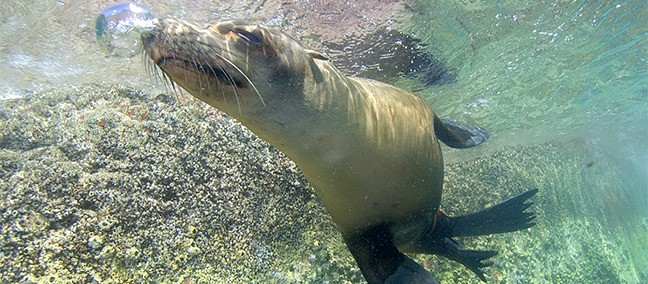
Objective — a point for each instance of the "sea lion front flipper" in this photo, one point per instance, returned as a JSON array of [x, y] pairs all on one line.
[[457, 135], [381, 262]]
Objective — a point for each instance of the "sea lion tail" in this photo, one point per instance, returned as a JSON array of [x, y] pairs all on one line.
[[459, 136]]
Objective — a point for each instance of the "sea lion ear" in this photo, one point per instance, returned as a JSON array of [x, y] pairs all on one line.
[[316, 55]]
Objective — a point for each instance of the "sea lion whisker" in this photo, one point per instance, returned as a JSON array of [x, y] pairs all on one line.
[[230, 62], [234, 89], [152, 70], [166, 81], [220, 86], [200, 63], [202, 75], [232, 84], [147, 64], [206, 77], [160, 77], [204, 55], [225, 74], [170, 85], [149, 69], [240, 71]]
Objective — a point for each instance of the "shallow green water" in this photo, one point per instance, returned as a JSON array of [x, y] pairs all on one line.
[[541, 71], [537, 71]]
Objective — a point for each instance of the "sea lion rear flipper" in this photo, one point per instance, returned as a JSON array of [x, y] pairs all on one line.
[[507, 216], [457, 135], [381, 262], [474, 260]]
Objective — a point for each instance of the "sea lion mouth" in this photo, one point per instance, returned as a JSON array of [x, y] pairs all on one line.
[[166, 53], [206, 69]]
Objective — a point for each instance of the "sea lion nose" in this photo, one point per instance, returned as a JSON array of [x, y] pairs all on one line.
[[148, 38]]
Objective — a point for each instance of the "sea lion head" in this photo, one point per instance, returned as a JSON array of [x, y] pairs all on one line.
[[233, 65]]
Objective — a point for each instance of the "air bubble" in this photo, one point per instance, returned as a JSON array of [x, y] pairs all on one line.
[[119, 28]]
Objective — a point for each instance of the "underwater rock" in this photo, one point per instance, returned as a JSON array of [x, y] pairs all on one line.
[[106, 184]]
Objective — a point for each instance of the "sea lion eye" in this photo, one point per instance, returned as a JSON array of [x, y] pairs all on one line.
[[248, 36]]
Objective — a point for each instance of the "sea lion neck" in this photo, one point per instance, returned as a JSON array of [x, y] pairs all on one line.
[[259, 75], [300, 103]]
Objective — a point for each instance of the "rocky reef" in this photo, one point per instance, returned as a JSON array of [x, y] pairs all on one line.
[[107, 185]]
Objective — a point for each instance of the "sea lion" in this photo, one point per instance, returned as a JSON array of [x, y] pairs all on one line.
[[369, 149]]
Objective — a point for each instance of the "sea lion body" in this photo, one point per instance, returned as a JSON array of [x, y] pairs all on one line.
[[369, 149], [358, 170], [357, 141]]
